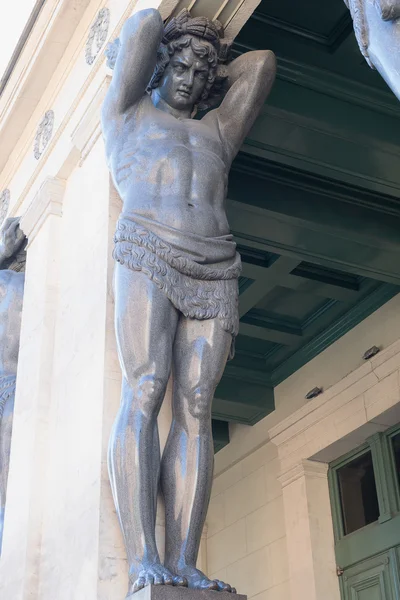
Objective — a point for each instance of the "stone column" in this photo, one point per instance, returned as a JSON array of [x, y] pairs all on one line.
[[30, 441], [309, 532]]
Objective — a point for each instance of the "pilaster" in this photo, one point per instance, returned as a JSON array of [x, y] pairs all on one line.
[[309, 532], [30, 441]]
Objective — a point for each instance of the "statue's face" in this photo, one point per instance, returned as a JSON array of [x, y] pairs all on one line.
[[184, 79]]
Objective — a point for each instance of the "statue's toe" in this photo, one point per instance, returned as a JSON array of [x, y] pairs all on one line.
[[179, 580], [222, 586], [139, 584], [149, 579]]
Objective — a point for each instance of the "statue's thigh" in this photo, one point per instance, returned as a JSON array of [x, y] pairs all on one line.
[[145, 324], [201, 349]]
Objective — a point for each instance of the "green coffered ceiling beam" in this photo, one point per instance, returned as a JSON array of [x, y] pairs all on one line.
[[313, 202]]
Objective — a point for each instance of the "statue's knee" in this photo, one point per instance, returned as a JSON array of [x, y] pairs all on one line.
[[148, 393], [199, 402]]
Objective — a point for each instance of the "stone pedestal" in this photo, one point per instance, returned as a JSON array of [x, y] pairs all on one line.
[[167, 592]]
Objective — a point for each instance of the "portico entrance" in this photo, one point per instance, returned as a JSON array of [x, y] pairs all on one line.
[[364, 488]]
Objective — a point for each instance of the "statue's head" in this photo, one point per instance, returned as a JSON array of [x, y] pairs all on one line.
[[187, 61], [13, 245], [190, 70]]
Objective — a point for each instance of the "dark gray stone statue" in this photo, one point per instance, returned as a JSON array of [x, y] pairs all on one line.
[[12, 277], [377, 29], [176, 291]]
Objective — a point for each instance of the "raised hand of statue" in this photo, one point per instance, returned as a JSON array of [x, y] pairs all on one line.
[[11, 238]]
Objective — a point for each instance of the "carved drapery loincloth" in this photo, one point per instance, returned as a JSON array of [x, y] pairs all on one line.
[[199, 275], [7, 390]]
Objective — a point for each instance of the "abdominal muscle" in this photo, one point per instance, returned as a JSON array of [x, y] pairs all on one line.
[[178, 180], [200, 217]]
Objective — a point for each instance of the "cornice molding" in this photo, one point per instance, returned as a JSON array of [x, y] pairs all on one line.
[[305, 468], [48, 201], [21, 43], [31, 68], [329, 402]]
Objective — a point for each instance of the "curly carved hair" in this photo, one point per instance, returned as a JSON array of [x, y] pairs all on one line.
[[205, 37]]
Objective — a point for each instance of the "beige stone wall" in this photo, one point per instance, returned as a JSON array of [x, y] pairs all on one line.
[[246, 537], [269, 522]]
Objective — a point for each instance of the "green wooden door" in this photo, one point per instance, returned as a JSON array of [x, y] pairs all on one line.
[[370, 579], [365, 497]]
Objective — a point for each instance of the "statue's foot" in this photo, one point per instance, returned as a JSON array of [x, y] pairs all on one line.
[[197, 580], [153, 574]]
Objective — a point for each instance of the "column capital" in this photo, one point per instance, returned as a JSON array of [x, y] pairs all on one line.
[[304, 468], [47, 201]]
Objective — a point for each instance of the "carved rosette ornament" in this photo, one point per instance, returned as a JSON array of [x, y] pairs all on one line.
[[4, 204], [97, 35], [43, 134]]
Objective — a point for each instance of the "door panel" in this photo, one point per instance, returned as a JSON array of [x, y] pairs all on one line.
[[369, 580]]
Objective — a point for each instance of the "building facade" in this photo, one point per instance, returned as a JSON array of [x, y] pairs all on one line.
[[306, 497]]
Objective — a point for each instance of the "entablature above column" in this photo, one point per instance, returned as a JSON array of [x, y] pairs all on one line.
[[363, 403], [304, 468], [48, 201]]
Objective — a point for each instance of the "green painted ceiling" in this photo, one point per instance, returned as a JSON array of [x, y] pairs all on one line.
[[313, 201], [312, 32]]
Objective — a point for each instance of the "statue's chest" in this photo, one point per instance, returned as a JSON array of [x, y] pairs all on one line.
[[169, 137]]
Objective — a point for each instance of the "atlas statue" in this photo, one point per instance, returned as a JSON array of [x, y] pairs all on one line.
[[176, 272], [12, 279]]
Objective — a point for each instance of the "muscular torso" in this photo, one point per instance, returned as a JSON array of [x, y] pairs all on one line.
[[170, 170], [11, 296]]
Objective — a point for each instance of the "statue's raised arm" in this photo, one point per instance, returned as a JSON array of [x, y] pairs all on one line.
[[137, 55], [249, 80]]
